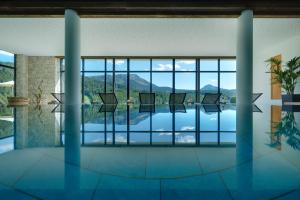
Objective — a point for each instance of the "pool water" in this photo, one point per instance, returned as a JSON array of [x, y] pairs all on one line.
[[129, 152]]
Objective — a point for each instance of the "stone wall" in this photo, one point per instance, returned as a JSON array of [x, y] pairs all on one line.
[[35, 71], [22, 75], [36, 127]]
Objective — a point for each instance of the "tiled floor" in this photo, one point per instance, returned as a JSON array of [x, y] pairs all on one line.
[[148, 173]]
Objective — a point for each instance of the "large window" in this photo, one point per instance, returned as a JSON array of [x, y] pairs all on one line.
[[7, 89], [127, 77], [7, 77]]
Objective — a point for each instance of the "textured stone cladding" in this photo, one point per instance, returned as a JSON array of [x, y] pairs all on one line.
[[22, 76], [43, 71]]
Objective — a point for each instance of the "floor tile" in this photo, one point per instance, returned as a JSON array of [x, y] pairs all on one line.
[[86, 155], [198, 187], [290, 196], [215, 159], [8, 193], [112, 187], [52, 179], [15, 163], [172, 163], [130, 162], [264, 178]]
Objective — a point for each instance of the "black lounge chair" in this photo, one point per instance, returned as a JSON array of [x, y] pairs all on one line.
[[147, 108], [108, 98], [147, 98], [255, 108], [60, 97], [211, 98], [59, 108], [177, 98], [255, 96], [211, 108], [177, 108], [108, 108]]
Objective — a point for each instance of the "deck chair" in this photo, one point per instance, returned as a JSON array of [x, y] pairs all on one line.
[[211, 108], [60, 97], [177, 108], [108, 108], [255, 108], [108, 98], [211, 98], [147, 98], [176, 98], [255, 96], [59, 108], [147, 108]]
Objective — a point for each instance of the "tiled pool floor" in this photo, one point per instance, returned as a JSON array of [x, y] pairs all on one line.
[[147, 173]]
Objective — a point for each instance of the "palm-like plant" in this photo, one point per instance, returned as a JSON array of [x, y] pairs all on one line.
[[286, 74]]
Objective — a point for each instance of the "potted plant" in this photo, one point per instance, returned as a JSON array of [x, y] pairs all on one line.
[[286, 75]]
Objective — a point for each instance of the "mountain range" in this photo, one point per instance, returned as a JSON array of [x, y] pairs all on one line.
[[140, 84]]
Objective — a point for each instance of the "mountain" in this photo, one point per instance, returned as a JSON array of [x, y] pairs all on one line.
[[140, 84], [209, 88]]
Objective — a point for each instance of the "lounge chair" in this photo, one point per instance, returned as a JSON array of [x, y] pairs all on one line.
[[147, 108], [211, 108], [176, 98], [60, 97], [147, 98], [108, 98], [255, 96], [255, 108], [177, 108], [108, 108], [59, 108], [211, 98]]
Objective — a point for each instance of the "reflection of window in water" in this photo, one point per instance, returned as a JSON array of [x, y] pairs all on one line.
[[157, 128], [6, 129]]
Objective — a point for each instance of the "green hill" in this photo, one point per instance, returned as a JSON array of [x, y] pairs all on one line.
[[95, 84]]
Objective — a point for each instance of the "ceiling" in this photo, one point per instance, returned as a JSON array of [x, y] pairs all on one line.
[[154, 8], [140, 36], [121, 37]]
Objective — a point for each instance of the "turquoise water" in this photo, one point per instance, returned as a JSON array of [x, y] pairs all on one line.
[[197, 152]]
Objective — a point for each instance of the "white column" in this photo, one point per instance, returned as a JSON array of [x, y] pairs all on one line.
[[245, 58], [244, 115], [72, 87], [72, 58]]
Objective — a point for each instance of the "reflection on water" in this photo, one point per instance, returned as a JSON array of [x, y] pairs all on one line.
[[165, 126], [285, 129], [225, 159], [193, 125]]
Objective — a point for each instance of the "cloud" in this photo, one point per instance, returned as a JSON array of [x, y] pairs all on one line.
[[186, 139], [162, 134], [187, 128], [160, 129], [120, 62], [186, 62], [5, 53], [178, 67], [120, 138], [213, 119], [164, 67]]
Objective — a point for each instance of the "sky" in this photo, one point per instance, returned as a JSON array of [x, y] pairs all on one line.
[[6, 57]]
